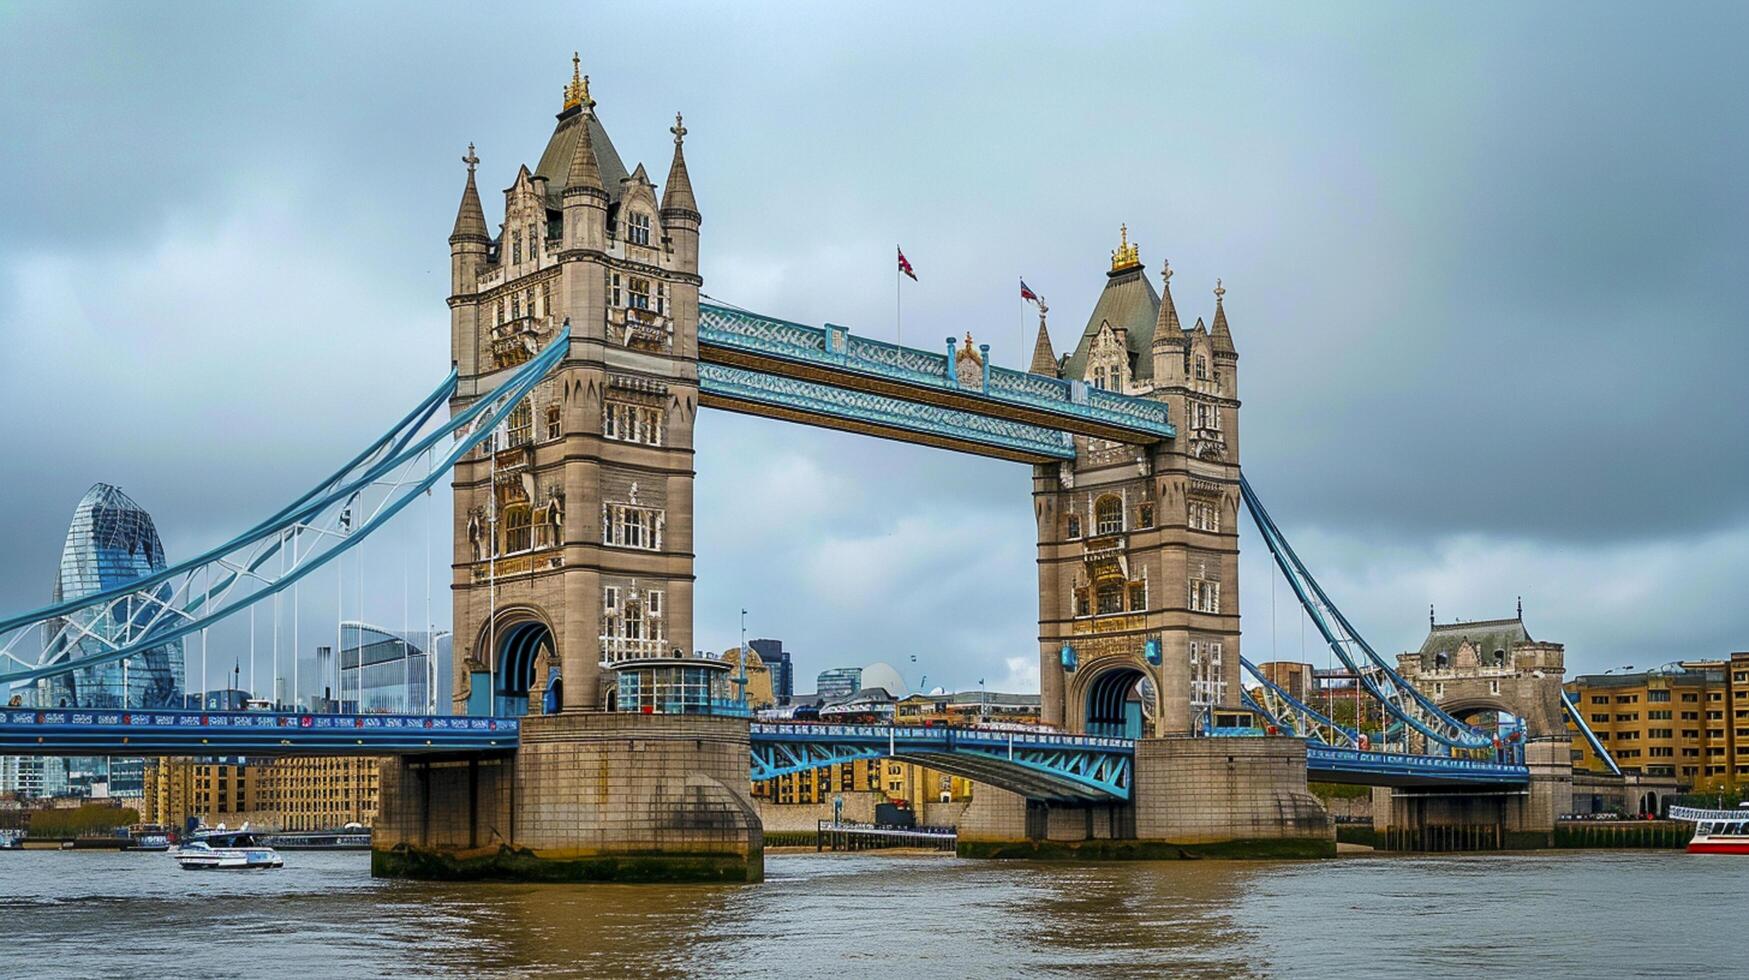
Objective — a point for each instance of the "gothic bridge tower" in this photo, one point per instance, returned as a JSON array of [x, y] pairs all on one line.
[[573, 527], [1138, 547], [573, 569]]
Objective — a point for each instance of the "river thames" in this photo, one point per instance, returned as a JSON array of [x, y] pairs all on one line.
[[1552, 915]]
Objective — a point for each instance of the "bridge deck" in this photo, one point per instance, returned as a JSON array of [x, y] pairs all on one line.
[[79, 731]]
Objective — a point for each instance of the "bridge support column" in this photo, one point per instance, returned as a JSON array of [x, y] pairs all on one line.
[[1519, 818], [588, 797], [1190, 797]]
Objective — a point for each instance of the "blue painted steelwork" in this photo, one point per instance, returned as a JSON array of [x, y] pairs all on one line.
[[825, 402], [1291, 715], [1591, 738], [1042, 765], [1398, 697], [742, 337], [324, 523], [1327, 763], [65, 731]]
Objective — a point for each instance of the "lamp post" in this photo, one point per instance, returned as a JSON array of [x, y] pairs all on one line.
[[984, 699]]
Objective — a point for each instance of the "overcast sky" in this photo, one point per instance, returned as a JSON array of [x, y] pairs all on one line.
[[1485, 269]]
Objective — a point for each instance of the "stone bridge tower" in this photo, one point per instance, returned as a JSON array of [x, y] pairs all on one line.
[[1138, 547], [1476, 671], [573, 527], [573, 545]]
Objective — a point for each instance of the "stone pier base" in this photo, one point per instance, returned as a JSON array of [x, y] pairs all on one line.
[[1192, 797], [588, 797], [1519, 817]]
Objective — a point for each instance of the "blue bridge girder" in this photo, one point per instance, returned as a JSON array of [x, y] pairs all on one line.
[[837, 360], [146, 732], [1331, 764], [1042, 765], [771, 395]]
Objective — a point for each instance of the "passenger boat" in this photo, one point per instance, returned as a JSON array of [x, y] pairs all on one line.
[[1716, 831], [147, 837], [226, 850]]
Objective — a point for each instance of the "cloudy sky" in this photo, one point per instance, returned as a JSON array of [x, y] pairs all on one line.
[[1485, 271]]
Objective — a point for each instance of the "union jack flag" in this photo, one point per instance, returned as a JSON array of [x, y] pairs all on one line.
[[905, 264], [1026, 292]]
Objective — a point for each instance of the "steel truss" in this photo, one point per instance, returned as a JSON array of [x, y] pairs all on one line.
[[276, 553]]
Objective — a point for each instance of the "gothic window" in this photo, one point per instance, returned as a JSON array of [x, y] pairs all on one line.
[[638, 230], [625, 422], [610, 600], [1208, 685], [553, 422], [516, 247], [1202, 415], [1108, 514], [1099, 378], [1145, 515], [518, 528], [1110, 598], [533, 245], [613, 298], [528, 300], [1083, 605], [521, 423], [639, 292], [1204, 516], [497, 312], [546, 298], [661, 297], [625, 526], [1074, 526], [1202, 368], [654, 602], [1138, 596], [1205, 596]]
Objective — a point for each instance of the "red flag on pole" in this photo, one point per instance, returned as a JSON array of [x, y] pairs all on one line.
[[905, 265], [1026, 292]]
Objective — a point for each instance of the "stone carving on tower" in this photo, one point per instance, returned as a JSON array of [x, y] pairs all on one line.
[[579, 509], [1138, 548]]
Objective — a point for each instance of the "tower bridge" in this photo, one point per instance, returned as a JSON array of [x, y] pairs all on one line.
[[588, 742]]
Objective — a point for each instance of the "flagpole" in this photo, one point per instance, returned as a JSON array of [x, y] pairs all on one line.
[[898, 321]]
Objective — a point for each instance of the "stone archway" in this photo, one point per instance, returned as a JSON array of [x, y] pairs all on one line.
[[1103, 697], [518, 646]]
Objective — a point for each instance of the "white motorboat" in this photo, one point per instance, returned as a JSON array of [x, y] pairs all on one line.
[[226, 850]]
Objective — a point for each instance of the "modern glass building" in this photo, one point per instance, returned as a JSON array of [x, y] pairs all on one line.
[[111, 542], [783, 672], [838, 683], [384, 672]]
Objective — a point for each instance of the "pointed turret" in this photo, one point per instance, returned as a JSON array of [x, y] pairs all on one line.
[[1220, 338], [584, 174], [470, 218], [1167, 329], [1043, 360], [680, 217], [677, 196]]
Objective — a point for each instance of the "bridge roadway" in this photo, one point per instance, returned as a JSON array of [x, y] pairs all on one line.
[[1040, 764]]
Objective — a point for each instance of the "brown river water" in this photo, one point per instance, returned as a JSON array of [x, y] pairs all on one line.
[[1554, 915]]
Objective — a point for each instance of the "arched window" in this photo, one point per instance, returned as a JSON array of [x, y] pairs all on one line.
[[521, 424], [518, 528], [1108, 515]]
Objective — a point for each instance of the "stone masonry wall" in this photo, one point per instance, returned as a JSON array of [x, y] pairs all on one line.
[[1204, 790]]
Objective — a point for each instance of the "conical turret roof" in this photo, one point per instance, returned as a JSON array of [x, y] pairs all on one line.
[[583, 173], [1220, 338], [678, 194], [470, 218], [1044, 361]]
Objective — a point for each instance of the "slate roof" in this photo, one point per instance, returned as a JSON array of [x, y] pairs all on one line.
[[1128, 301], [555, 161], [1486, 635]]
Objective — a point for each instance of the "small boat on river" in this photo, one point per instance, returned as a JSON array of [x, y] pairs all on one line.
[[1716, 831], [226, 850]]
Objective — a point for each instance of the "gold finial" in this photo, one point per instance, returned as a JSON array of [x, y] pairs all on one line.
[[1220, 291], [577, 93], [677, 129], [1125, 256]]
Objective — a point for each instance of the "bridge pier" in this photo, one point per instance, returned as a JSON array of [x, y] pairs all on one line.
[[1481, 819], [588, 797], [1191, 797]]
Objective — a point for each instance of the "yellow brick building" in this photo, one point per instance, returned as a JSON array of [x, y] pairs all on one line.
[[1689, 720], [314, 793]]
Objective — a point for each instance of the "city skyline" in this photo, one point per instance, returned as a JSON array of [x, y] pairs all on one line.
[[1445, 351]]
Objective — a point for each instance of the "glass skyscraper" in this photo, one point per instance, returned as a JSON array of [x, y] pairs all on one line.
[[392, 673], [111, 542]]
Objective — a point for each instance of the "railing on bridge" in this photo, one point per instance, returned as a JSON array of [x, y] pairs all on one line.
[[79, 731]]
